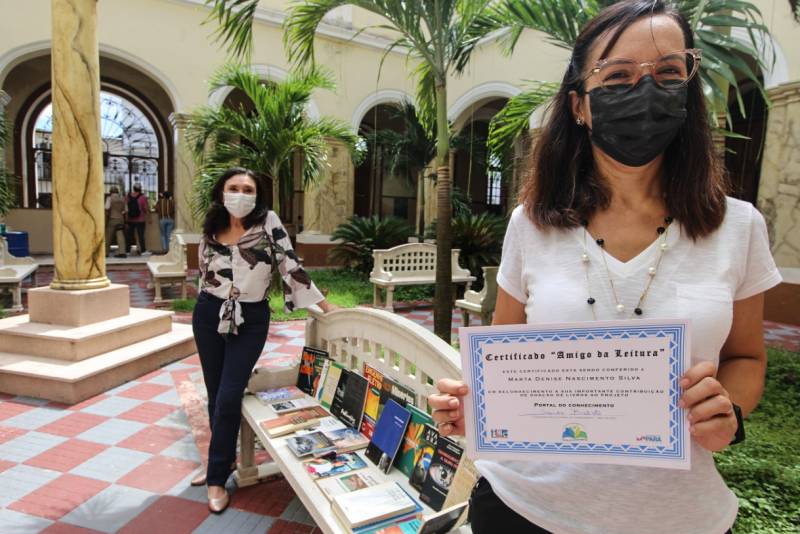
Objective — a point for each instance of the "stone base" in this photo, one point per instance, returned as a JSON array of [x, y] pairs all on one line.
[[72, 382], [78, 308]]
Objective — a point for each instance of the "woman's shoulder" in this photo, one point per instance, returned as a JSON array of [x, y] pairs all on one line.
[[740, 215], [522, 224]]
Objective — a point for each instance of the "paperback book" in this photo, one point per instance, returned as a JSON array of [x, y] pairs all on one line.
[[411, 441], [330, 384], [466, 477], [376, 504], [441, 472], [340, 464], [293, 405], [333, 486], [311, 362], [348, 404], [321, 380], [279, 394], [423, 455], [314, 443], [292, 422], [347, 439], [371, 406], [388, 435]]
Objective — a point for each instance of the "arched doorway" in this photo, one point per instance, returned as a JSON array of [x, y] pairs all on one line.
[[379, 190], [131, 150], [478, 177], [743, 154]]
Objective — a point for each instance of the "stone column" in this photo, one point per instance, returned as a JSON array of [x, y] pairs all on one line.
[[78, 217], [4, 100], [184, 174], [779, 188]]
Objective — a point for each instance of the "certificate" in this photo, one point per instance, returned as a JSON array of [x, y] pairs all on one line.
[[599, 392]]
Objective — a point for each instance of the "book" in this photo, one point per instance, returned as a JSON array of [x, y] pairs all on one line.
[[445, 521], [371, 406], [405, 458], [330, 384], [316, 443], [347, 439], [392, 389], [348, 402], [423, 456], [406, 526], [466, 477], [293, 405], [388, 435], [321, 381], [326, 424], [319, 364], [311, 362], [279, 394], [333, 486], [292, 422], [340, 464], [375, 504], [441, 472]]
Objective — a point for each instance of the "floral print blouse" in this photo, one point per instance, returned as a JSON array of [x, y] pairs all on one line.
[[242, 272]]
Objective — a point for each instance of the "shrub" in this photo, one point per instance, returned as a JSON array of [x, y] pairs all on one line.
[[361, 235]]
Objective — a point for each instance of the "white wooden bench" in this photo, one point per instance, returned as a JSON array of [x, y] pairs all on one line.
[[410, 264], [169, 269], [481, 302], [13, 270], [398, 347]]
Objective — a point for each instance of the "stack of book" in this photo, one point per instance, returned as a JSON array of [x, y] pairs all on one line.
[[374, 507]]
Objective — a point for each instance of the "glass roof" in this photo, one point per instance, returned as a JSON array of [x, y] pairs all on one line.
[[124, 128]]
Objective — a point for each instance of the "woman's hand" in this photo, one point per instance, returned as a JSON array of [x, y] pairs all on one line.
[[712, 421], [327, 306], [447, 407]]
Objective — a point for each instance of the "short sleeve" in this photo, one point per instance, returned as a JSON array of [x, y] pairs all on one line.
[[509, 275], [759, 272]]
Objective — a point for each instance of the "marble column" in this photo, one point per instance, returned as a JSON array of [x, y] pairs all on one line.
[[184, 174], [78, 217], [330, 203], [4, 101], [779, 188]]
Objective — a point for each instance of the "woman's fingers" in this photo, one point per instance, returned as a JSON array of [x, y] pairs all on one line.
[[698, 372], [702, 390], [443, 402], [710, 408], [452, 387]]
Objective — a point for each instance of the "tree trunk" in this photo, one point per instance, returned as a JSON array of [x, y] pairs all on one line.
[[276, 191], [443, 296], [421, 204]]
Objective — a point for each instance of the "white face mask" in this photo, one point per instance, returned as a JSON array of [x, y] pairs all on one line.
[[239, 204]]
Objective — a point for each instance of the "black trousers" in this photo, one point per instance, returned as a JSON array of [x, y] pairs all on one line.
[[489, 515], [139, 228], [227, 362]]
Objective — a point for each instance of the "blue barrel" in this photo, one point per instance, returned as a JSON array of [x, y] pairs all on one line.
[[17, 243]]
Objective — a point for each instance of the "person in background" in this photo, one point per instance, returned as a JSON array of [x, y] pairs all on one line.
[[242, 240], [624, 215], [115, 221], [138, 208], [165, 207]]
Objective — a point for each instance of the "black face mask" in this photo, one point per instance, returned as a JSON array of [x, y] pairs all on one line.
[[634, 126]]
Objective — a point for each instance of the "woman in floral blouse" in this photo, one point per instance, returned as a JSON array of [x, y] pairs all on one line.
[[242, 241]]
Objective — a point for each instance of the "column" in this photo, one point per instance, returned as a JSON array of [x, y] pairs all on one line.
[[78, 217], [4, 100], [779, 188], [184, 174]]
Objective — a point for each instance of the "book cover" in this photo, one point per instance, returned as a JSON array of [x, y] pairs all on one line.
[[388, 435], [339, 465], [321, 381], [326, 424], [333, 486], [406, 526], [279, 394], [466, 477], [338, 395], [441, 472], [405, 458], [349, 406], [319, 364], [394, 390], [316, 443], [364, 507], [291, 422], [330, 384], [308, 363], [293, 405], [371, 406], [347, 439], [423, 456], [445, 521]]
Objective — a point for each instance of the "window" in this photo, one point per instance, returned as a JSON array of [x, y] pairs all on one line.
[[130, 149], [494, 178]]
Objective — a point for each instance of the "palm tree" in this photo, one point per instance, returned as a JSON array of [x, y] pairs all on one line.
[[8, 198], [725, 59], [267, 138], [439, 35]]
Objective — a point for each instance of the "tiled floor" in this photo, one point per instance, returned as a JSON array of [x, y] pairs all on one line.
[[121, 461]]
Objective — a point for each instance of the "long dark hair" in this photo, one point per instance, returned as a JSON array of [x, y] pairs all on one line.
[[218, 219], [564, 189]]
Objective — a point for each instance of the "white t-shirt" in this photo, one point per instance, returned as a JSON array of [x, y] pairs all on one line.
[[699, 280]]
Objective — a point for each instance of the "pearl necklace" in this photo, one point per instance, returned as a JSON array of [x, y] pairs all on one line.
[[662, 231]]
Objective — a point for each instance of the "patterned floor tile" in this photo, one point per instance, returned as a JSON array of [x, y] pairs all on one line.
[[66, 528], [111, 464], [235, 522], [281, 526], [148, 412], [111, 509], [269, 498], [20, 480], [152, 439], [73, 424], [67, 455], [35, 418], [59, 497], [28, 445], [112, 406], [168, 514], [17, 523], [159, 474], [112, 431]]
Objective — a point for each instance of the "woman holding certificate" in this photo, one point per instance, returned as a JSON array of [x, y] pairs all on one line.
[[624, 216]]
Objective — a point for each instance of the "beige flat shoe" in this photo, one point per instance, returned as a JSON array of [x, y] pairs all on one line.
[[199, 480], [217, 506]]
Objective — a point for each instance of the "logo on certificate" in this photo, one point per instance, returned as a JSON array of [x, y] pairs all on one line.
[[574, 432], [498, 433]]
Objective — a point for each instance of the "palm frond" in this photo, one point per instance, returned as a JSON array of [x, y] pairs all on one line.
[[234, 25], [514, 119], [560, 20]]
